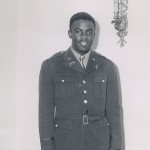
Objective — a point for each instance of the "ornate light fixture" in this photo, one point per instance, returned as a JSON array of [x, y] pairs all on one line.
[[120, 19]]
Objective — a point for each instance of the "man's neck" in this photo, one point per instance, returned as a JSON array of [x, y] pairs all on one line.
[[79, 53]]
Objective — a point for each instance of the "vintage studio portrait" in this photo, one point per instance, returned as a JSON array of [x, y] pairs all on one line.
[[75, 75]]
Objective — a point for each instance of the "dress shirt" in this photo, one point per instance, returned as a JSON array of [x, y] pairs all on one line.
[[78, 56]]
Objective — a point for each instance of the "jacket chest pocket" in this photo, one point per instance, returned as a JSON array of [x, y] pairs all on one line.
[[63, 86], [100, 86]]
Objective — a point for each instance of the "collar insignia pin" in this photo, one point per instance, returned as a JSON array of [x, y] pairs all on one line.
[[73, 62], [96, 66], [93, 59]]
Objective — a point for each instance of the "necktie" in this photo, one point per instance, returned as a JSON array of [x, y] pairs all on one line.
[[81, 60]]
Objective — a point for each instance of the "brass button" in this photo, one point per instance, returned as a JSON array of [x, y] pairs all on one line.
[[85, 101], [85, 91], [84, 81], [103, 81]]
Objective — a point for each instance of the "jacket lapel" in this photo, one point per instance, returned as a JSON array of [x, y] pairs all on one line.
[[93, 63], [71, 62]]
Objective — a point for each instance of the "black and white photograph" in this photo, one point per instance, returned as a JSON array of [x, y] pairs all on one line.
[[74, 75]]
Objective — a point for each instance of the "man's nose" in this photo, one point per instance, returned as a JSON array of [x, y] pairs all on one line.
[[84, 35]]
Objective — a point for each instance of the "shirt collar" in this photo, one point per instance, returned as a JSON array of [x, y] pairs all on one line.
[[77, 55]]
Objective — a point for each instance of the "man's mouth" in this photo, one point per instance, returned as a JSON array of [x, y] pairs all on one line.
[[84, 43]]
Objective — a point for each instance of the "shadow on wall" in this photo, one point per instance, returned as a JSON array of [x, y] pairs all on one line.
[[121, 117], [97, 34]]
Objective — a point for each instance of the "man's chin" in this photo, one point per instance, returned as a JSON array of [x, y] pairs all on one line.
[[84, 51]]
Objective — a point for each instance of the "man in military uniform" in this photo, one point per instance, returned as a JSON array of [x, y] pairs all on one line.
[[79, 106]]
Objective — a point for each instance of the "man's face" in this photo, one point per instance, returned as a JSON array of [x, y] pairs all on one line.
[[82, 34]]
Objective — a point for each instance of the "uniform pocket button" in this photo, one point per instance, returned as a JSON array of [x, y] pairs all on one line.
[[84, 81], [85, 101], [103, 81]]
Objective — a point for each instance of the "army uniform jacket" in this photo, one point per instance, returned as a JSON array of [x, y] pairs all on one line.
[[79, 109]]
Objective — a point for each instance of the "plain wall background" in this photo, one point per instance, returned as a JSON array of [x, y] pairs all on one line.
[[33, 30], [8, 74]]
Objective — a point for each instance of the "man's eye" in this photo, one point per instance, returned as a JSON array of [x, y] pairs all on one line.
[[89, 31], [77, 31]]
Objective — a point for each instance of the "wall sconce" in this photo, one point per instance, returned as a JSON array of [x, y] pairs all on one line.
[[120, 19]]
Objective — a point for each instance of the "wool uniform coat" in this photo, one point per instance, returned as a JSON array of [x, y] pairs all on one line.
[[79, 109]]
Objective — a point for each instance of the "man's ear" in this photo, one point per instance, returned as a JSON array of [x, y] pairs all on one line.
[[70, 34]]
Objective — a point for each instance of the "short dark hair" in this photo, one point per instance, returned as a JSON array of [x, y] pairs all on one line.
[[81, 16]]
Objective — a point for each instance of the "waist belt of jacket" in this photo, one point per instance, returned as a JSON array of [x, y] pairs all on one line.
[[85, 118]]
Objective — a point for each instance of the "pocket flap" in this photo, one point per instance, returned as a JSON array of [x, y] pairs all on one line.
[[102, 79], [102, 123], [63, 78], [66, 124]]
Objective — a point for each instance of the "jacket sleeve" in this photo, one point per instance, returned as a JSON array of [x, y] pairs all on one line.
[[46, 107], [113, 108]]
